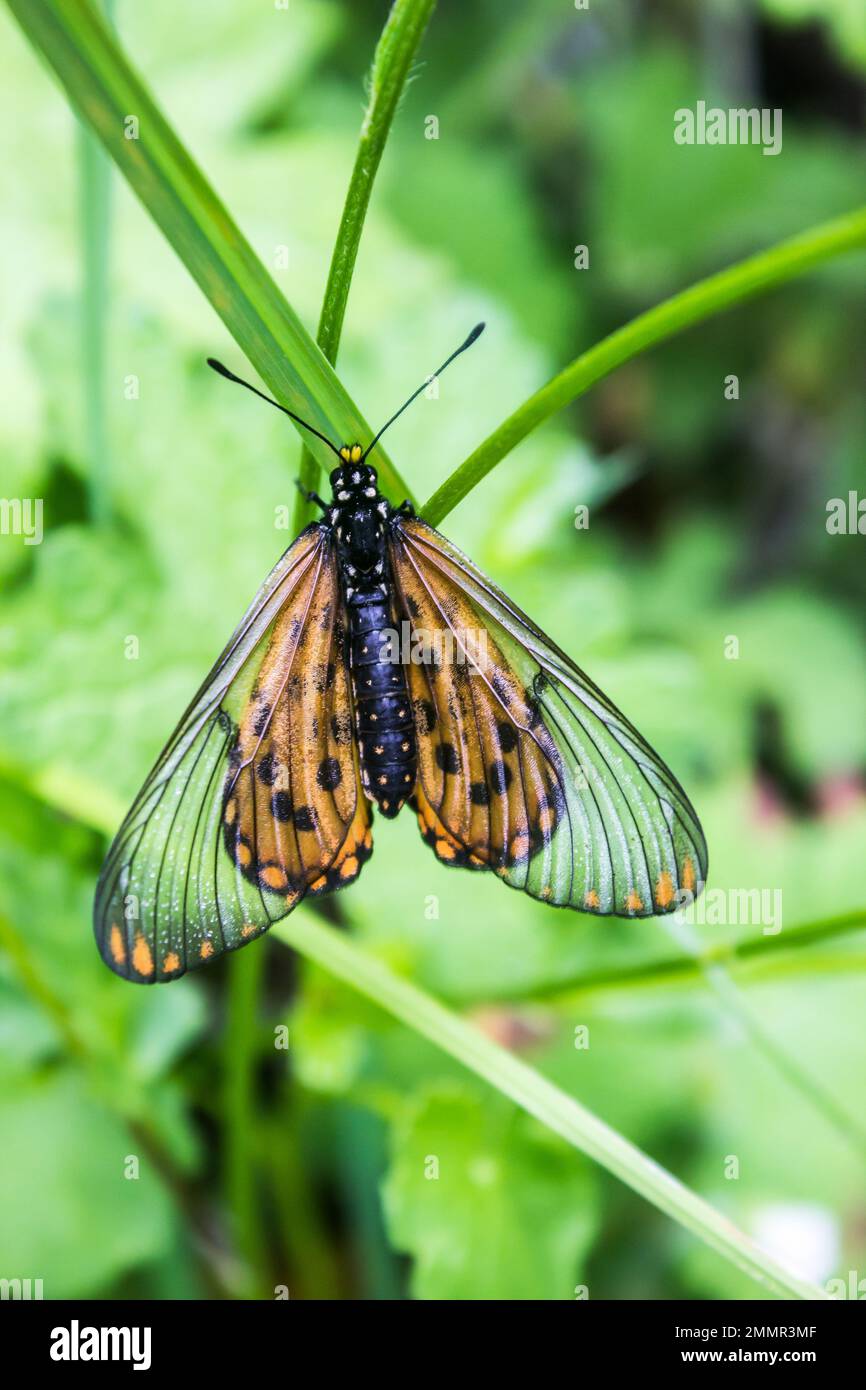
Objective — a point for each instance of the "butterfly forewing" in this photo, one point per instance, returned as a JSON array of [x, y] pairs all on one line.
[[525, 766], [256, 799]]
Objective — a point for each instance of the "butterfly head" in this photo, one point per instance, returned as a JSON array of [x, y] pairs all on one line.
[[353, 479]]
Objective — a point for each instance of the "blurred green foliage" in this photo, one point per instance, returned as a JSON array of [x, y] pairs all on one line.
[[707, 521]]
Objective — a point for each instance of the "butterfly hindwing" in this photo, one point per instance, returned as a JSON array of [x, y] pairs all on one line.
[[525, 767], [256, 800]]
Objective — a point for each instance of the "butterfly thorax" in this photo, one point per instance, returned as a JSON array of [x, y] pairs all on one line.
[[359, 518]]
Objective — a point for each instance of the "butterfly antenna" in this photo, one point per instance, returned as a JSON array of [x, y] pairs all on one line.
[[239, 381], [473, 337]]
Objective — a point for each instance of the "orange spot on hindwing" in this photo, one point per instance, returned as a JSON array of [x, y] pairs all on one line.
[[664, 890], [142, 956], [687, 875], [117, 945]]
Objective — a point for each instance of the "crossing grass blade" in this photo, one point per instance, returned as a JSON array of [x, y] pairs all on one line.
[[396, 51], [106, 93], [737, 283]]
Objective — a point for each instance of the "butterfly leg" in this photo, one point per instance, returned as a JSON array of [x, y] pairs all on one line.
[[310, 496]]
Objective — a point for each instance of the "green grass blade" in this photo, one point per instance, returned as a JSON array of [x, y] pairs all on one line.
[[687, 969], [240, 1114], [710, 296], [395, 52], [727, 991], [95, 197], [109, 97], [540, 1098]]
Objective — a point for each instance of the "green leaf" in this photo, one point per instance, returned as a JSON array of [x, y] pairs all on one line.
[[489, 1205], [64, 1156]]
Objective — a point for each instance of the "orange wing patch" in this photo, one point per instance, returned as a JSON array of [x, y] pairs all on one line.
[[142, 957], [294, 813], [439, 837], [526, 764], [353, 853], [489, 793]]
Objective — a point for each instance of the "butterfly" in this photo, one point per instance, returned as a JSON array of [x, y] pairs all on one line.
[[378, 666]]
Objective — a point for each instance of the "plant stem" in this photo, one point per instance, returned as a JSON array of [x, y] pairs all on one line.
[[788, 1066], [540, 1098], [731, 286], [395, 52], [678, 969], [95, 193], [239, 1110], [111, 99], [294, 1191], [362, 1160]]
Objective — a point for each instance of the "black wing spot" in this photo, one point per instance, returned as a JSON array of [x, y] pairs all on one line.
[[479, 794], [532, 706], [554, 799], [425, 715], [507, 736], [281, 806], [501, 686], [305, 818], [446, 757], [329, 775], [260, 723], [500, 777], [266, 770], [240, 849]]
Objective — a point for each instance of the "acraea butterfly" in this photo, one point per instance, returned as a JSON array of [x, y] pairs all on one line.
[[377, 665]]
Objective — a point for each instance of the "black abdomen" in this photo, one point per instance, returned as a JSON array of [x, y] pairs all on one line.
[[383, 712]]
